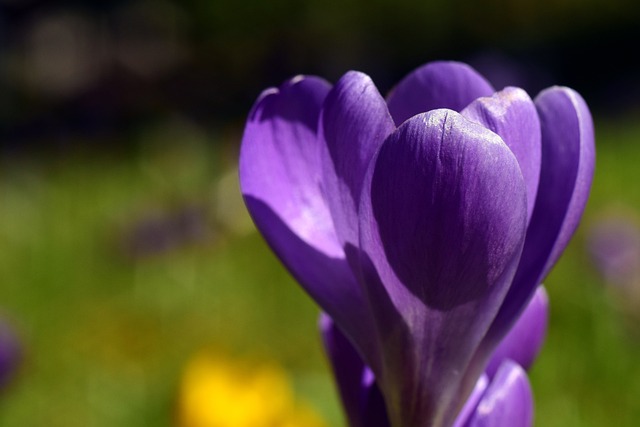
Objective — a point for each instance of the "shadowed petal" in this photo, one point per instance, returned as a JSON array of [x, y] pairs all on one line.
[[375, 411], [511, 114], [348, 370], [525, 338], [280, 178], [442, 223], [354, 123], [360, 395], [439, 84], [508, 402], [568, 157]]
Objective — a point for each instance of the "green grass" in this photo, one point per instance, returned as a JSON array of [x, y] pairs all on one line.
[[106, 335]]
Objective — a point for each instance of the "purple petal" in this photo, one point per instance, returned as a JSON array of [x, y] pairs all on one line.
[[439, 84], [360, 395], [568, 157], [279, 162], [472, 402], [348, 370], [511, 114], [524, 340], [442, 227], [280, 177], [355, 121], [508, 402]]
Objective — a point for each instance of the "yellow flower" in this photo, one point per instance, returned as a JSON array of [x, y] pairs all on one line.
[[220, 393]]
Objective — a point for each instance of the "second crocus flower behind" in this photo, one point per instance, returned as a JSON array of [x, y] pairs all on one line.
[[423, 223]]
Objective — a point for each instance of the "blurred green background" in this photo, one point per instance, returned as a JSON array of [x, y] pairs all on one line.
[[125, 247]]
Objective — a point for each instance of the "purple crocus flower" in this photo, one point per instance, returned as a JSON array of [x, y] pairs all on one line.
[[421, 223]]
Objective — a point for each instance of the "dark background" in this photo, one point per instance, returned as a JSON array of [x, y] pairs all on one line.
[[90, 70]]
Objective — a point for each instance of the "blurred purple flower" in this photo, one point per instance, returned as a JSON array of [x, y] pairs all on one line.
[[614, 246], [501, 397], [422, 224], [9, 353], [160, 232]]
